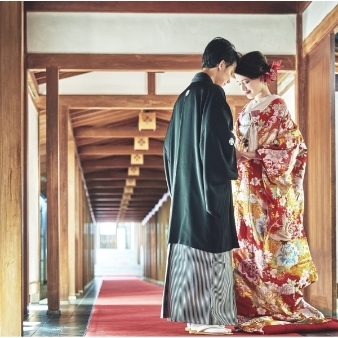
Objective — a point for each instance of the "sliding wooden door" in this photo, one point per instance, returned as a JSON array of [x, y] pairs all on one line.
[[320, 202]]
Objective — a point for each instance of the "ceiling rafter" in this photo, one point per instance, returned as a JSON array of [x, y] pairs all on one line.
[[120, 191], [203, 7], [113, 101], [121, 150], [127, 102], [145, 174], [41, 76], [120, 183], [119, 132], [121, 162]]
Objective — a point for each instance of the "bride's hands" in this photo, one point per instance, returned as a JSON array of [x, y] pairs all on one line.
[[246, 156]]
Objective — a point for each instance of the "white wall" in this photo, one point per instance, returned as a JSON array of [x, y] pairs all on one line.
[[33, 210], [151, 34], [289, 98], [314, 15], [157, 33]]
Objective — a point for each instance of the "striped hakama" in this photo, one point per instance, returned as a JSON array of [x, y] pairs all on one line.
[[199, 287]]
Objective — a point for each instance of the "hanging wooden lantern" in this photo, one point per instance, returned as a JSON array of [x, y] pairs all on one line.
[[128, 190], [147, 121], [130, 182], [136, 159], [126, 197], [141, 143], [124, 205], [134, 171]]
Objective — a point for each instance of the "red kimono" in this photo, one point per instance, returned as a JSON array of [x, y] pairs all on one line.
[[273, 264]]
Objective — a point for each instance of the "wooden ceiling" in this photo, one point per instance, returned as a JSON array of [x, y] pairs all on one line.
[[104, 127]]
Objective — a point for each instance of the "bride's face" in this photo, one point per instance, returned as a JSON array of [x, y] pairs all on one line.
[[250, 87]]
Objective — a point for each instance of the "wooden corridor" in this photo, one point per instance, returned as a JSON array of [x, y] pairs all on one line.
[[80, 149]]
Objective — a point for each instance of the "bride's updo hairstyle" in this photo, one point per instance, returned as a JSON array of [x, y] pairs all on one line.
[[252, 65]]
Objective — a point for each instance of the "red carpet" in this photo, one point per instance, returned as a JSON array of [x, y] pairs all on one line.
[[128, 306]]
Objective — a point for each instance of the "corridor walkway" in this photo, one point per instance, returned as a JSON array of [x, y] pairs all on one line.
[[72, 322], [74, 319]]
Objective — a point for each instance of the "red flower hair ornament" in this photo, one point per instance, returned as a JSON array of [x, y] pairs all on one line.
[[271, 75]]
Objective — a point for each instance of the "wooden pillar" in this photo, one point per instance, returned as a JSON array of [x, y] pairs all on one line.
[[80, 253], [63, 143], [138, 242], [11, 165], [25, 202], [71, 219], [301, 117], [273, 87], [77, 231], [53, 202], [153, 243]]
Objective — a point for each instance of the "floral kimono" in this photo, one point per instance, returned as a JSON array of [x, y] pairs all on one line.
[[273, 264]]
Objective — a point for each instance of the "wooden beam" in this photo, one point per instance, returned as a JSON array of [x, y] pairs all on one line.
[[129, 62], [117, 203], [121, 183], [113, 101], [118, 150], [121, 162], [202, 7], [41, 76], [140, 213], [300, 80], [119, 192], [117, 62], [116, 210], [120, 175], [72, 216], [302, 6], [143, 208], [63, 182], [118, 132], [32, 85], [132, 216], [151, 84], [103, 117], [127, 102], [117, 198]]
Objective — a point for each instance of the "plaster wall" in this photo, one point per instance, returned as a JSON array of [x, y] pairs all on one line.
[[33, 207], [314, 15], [157, 33]]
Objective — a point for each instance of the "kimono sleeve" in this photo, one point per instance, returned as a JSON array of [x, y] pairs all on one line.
[[217, 153], [284, 155]]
